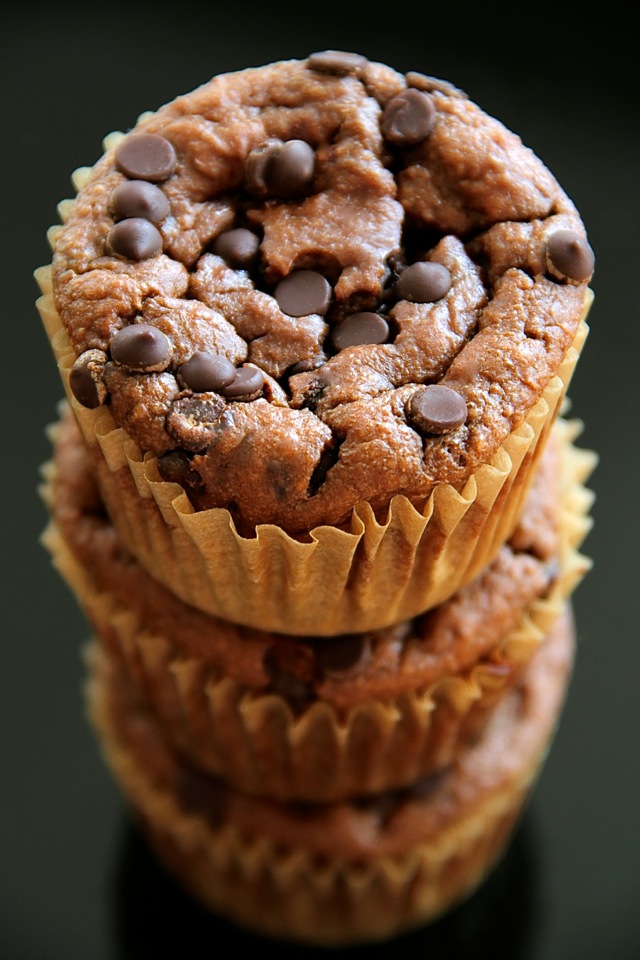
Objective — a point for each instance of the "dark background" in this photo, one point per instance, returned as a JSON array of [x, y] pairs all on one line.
[[75, 881]]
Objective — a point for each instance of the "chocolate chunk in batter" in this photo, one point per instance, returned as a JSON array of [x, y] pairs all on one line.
[[303, 292], [192, 420], [205, 372], [239, 247], [408, 118], [360, 328], [86, 378], [423, 282], [289, 665], [135, 239], [247, 384], [139, 198], [343, 656], [146, 156], [570, 255], [281, 169], [436, 409], [142, 347], [338, 62]]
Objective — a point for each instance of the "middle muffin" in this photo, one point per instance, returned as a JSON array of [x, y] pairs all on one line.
[[324, 718]]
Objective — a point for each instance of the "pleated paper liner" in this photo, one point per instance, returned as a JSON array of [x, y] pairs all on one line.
[[336, 874], [254, 740], [338, 581]]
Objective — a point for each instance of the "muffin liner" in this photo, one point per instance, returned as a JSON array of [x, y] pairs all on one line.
[[336, 875], [257, 743], [336, 580]]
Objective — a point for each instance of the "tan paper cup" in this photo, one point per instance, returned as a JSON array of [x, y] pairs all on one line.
[[336, 874], [367, 577], [219, 718]]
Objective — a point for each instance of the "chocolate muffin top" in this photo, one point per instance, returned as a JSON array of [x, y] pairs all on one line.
[[318, 282]]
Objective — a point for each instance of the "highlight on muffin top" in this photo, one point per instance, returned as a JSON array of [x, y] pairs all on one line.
[[319, 282]]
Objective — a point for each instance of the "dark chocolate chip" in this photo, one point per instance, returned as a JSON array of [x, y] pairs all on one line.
[[142, 347], [135, 239], [146, 156], [338, 62], [303, 292], [436, 409], [283, 170], [569, 252], [327, 459], [192, 420], [408, 118], [360, 328], [290, 169], [344, 655], [423, 282], [204, 372], [314, 391], [86, 378], [289, 665], [175, 467], [139, 198], [256, 165], [247, 384], [239, 247], [304, 366]]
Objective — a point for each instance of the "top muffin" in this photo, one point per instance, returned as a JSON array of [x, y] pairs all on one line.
[[319, 282]]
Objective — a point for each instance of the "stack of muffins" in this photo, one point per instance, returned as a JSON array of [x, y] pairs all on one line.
[[314, 487]]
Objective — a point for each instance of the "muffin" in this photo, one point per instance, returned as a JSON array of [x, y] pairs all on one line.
[[315, 320], [323, 718], [344, 873]]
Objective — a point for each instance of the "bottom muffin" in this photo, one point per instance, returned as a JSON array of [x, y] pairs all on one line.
[[341, 873]]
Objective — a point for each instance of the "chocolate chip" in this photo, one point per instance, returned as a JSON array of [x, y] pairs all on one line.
[[290, 169], [283, 170], [138, 198], [289, 665], [436, 409], [278, 169], [360, 328], [204, 372], [569, 252], [256, 165], [142, 347], [146, 156], [247, 384], [304, 366], [344, 655], [191, 421], [175, 467], [135, 239], [327, 459], [86, 379], [239, 247], [338, 62], [423, 282], [408, 118], [303, 292]]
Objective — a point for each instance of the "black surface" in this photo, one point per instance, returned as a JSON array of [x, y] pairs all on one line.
[[75, 881]]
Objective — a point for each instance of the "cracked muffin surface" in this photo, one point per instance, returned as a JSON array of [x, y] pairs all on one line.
[[319, 282]]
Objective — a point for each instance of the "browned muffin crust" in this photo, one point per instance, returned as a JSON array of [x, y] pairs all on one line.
[[268, 276], [344, 670]]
